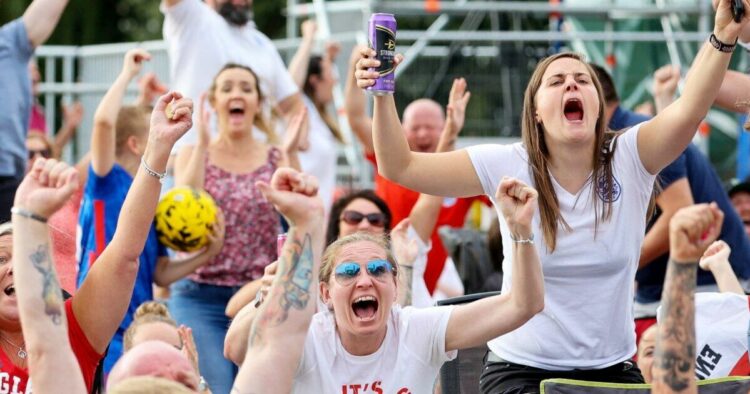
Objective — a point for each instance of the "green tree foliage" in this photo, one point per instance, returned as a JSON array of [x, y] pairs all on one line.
[[87, 22]]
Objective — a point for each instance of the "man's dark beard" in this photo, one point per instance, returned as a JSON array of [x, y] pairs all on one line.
[[236, 15]]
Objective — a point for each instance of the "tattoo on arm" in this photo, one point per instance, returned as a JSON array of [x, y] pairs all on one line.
[[675, 346], [295, 284], [51, 293]]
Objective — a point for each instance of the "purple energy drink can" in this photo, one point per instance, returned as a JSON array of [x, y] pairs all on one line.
[[280, 239], [382, 35]]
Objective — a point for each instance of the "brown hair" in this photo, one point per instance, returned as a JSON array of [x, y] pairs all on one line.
[[148, 312], [42, 137], [315, 68], [532, 134], [259, 121], [132, 120], [332, 251]]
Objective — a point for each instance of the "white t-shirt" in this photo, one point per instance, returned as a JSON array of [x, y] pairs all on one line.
[[420, 296], [320, 158], [587, 322], [408, 360], [721, 335], [200, 42]]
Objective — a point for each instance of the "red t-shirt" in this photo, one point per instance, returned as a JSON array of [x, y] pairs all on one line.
[[401, 200], [13, 379]]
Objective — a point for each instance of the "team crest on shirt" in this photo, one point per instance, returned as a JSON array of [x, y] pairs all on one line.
[[608, 193]]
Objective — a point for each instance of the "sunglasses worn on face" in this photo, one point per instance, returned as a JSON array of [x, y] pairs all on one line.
[[354, 218], [346, 273], [46, 153]]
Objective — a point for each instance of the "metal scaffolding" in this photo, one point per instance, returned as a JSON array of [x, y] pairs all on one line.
[[494, 44]]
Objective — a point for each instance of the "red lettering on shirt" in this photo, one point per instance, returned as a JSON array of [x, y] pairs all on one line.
[[374, 388]]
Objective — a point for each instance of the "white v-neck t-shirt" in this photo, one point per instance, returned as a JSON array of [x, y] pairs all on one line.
[[587, 322], [408, 361]]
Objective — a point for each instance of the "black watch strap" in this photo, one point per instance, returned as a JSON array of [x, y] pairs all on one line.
[[723, 47]]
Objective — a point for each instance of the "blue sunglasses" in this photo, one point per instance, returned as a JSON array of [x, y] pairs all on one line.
[[346, 273]]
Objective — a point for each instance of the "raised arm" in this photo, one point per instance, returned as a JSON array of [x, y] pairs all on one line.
[[103, 136], [663, 138], [297, 126], [41, 18], [355, 104], [666, 80], [691, 231], [72, 117], [656, 242], [190, 165], [52, 364], [278, 333], [301, 60], [505, 312], [103, 298], [716, 260], [449, 174], [245, 310]]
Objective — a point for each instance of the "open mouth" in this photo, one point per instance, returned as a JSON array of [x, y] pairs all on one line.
[[236, 111], [10, 290], [365, 307], [573, 110]]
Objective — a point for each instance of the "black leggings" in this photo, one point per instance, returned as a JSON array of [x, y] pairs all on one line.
[[508, 378]]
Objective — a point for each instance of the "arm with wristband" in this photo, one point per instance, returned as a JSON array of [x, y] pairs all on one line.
[[52, 364]]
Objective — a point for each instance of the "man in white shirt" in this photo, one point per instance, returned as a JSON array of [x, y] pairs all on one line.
[[203, 37]]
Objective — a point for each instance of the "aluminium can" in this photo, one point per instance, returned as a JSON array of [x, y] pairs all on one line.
[[382, 36]]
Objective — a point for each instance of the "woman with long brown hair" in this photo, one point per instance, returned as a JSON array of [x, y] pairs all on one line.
[[594, 193]]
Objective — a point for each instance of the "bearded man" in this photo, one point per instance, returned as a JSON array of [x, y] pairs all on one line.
[[203, 37]]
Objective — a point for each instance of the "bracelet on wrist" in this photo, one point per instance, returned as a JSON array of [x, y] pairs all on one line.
[[529, 240], [28, 214], [158, 175], [720, 45]]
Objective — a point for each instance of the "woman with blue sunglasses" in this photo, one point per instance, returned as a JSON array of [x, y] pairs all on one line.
[[364, 341]]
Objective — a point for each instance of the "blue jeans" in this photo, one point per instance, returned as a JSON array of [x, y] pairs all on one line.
[[201, 307]]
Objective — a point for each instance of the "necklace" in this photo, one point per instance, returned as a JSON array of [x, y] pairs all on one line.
[[21, 352]]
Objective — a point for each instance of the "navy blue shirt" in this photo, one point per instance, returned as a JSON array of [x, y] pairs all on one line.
[[705, 186]]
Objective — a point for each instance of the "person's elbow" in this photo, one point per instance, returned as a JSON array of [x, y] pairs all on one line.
[[529, 307], [232, 350], [162, 279]]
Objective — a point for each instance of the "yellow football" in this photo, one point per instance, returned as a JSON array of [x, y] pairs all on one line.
[[184, 218]]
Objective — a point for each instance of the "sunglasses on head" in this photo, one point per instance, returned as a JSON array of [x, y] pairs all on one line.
[[354, 218], [346, 273], [46, 153]]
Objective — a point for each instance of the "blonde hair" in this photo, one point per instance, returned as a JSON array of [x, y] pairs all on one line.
[[148, 385], [532, 134], [132, 120], [148, 312], [333, 250], [259, 122], [6, 229]]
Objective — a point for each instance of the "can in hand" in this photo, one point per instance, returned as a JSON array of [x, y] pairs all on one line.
[[280, 240], [382, 36]]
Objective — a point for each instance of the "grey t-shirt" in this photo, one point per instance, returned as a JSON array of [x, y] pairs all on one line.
[[15, 96]]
